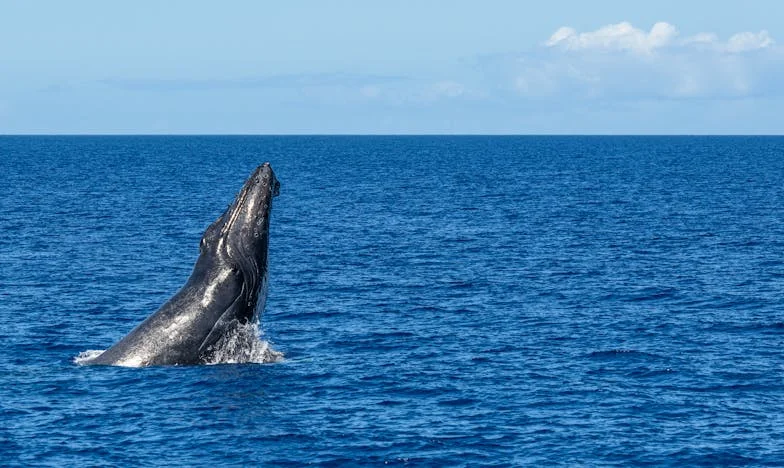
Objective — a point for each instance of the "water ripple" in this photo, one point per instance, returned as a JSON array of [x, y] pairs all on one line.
[[459, 301]]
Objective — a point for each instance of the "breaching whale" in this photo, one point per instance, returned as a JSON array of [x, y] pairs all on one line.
[[227, 288]]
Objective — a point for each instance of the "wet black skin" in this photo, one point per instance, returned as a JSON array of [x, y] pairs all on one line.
[[227, 287]]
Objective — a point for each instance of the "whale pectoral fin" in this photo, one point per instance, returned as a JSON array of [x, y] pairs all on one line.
[[226, 322]]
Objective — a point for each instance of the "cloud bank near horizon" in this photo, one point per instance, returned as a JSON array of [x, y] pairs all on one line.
[[616, 62], [622, 62]]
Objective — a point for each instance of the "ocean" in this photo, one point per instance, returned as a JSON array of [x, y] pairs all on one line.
[[438, 301]]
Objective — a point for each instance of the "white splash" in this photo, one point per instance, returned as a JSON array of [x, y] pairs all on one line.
[[86, 356], [243, 344]]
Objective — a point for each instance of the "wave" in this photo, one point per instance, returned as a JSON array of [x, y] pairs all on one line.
[[623, 353]]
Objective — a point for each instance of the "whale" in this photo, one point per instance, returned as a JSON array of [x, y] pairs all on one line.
[[226, 290]]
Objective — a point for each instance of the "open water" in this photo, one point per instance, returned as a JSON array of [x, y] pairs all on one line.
[[437, 300]]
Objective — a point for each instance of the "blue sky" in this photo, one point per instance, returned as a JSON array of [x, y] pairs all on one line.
[[606, 67]]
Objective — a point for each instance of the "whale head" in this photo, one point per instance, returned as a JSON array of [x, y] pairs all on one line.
[[239, 239], [245, 223]]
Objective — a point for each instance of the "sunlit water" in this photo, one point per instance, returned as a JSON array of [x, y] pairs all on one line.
[[432, 301]]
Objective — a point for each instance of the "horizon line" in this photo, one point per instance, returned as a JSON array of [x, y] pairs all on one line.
[[388, 134]]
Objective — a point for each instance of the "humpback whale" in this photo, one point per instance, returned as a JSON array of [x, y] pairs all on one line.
[[227, 288]]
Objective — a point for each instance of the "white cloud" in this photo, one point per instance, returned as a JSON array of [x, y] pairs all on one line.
[[702, 38], [622, 36], [747, 41], [736, 44], [622, 62], [625, 37]]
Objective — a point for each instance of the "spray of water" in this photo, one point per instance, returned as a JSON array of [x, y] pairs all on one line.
[[86, 356], [242, 345]]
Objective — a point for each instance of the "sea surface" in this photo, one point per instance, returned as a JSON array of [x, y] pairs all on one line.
[[459, 301]]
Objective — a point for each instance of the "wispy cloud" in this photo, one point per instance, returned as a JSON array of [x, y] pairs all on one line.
[[298, 80], [449, 89], [621, 36]]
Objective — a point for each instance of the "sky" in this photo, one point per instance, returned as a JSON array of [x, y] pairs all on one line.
[[383, 67]]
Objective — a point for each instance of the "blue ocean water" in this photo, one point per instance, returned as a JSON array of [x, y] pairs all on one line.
[[439, 301]]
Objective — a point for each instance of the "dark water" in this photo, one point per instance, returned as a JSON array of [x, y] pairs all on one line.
[[439, 300]]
